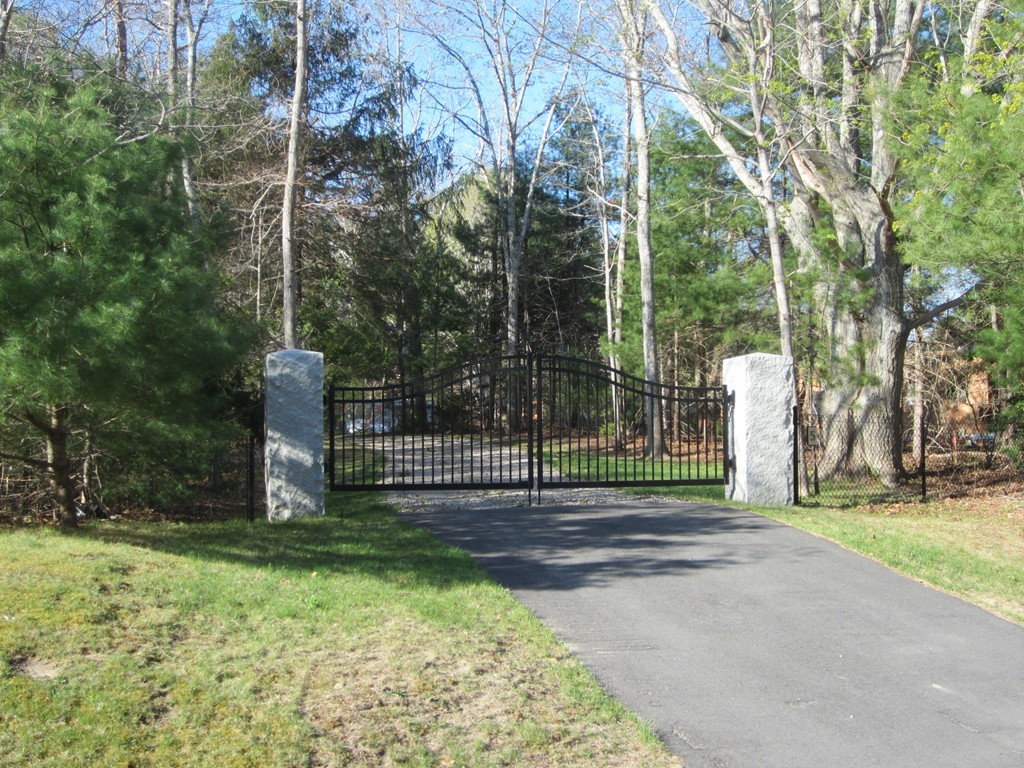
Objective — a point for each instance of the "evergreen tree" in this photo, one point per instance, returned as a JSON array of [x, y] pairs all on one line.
[[711, 274], [109, 332]]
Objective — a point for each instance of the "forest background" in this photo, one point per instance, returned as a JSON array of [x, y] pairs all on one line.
[[659, 185]]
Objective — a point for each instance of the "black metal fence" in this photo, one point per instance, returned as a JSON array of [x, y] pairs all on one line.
[[530, 422]]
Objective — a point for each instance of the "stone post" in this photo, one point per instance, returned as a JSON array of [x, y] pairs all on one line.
[[295, 434], [761, 429]]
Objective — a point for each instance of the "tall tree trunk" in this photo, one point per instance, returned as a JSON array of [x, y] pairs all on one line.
[[512, 248], [121, 37], [620, 253], [6, 12], [655, 436], [860, 407], [634, 32], [193, 30], [291, 181], [53, 427]]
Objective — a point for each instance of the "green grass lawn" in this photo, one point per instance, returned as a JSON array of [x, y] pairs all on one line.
[[583, 465], [353, 640]]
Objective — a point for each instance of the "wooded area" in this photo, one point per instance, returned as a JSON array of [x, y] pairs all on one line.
[[404, 185]]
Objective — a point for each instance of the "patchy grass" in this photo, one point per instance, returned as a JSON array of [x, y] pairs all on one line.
[[354, 640]]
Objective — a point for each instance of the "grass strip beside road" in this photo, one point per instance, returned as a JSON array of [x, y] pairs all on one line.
[[353, 640], [969, 547]]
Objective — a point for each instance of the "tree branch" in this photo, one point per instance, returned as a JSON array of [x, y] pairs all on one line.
[[928, 315], [37, 463]]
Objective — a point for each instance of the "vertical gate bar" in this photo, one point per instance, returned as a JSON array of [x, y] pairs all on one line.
[[726, 461], [331, 438], [362, 432], [423, 429], [362, 440], [497, 428], [387, 440], [431, 428], [574, 416], [604, 426], [720, 427], [796, 454], [496, 425], [553, 431], [593, 459], [712, 421], [923, 463], [540, 424], [664, 399], [666, 432], [398, 429], [455, 423], [662, 402], [463, 451], [572, 381], [476, 455], [500, 426], [442, 418], [713, 447], [356, 458], [578, 402], [584, 423], [462, 443], [647, 430], [581, 456], [701, 404], [531, 411]]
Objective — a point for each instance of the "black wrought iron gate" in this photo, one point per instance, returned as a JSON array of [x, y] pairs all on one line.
[[531, 422]]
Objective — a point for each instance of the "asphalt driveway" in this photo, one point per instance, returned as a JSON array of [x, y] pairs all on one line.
[[745, 642]]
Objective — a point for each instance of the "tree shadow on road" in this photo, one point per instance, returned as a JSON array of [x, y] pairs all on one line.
[[570, 546]]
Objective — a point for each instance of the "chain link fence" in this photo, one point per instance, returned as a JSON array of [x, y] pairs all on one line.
[[936, 464]]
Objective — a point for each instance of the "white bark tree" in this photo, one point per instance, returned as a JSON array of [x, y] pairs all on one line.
[[6, 14], [809, 86], [184, 95], [633, 34], [291, 179], [514, 89]]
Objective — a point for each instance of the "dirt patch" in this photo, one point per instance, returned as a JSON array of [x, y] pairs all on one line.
[[36, 668]]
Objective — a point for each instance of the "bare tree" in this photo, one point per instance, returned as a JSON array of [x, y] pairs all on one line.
[[515, 91]]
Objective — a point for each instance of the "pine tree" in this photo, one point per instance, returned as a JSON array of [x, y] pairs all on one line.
[[108, 325]]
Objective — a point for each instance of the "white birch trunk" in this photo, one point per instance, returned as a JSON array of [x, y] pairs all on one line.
[[292, 176]]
